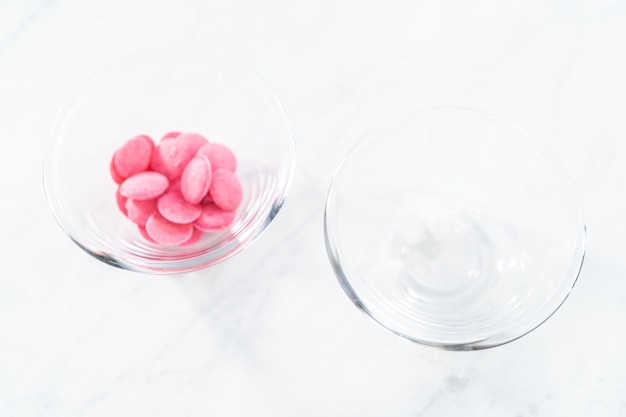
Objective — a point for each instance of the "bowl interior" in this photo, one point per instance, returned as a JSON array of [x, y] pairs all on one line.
[[154, 93], [454, 229]]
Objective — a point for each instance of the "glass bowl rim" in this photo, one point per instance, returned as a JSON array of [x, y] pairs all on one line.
[[333, 251], [193, 263]]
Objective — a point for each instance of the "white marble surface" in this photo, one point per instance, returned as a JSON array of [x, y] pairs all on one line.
[[270, 332]]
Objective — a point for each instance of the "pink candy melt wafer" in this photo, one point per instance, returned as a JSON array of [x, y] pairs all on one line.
[[226, 191], [121, 201], [114, 174], [196, 179], [195, 237], [144, 186], [214, 219], [171, 135], [140, 210], [221, 156], [177, 190], [167, 233], [157, 163], [170, 157], [142, 231], [148, 141], [174, 208], [133, 157], [194, 140], [174, 185]]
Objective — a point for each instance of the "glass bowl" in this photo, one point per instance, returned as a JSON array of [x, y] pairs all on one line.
[[454, 229], [152, 93]]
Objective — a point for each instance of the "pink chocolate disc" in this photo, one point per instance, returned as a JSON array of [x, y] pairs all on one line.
[[226, 190], [221, 156], [144, 185], [114, 174], [170, 157], [145, 234], [174, 208], [165, 232], [174, 185], [195, 237], [214, 219], [140, 210], [195, 140], [121, 201], [196, 179], [134, 156], [171, 135]]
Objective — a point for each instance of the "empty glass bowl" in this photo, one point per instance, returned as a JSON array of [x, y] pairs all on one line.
[[454, 229], [173, 89]]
